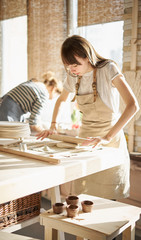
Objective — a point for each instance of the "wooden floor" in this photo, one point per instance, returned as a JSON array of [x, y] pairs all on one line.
[[37, 231]]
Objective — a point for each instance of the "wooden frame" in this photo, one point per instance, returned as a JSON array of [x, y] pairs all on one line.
[[133, 64]]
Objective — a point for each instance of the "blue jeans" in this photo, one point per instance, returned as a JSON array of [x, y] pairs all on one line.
[[10, 110]]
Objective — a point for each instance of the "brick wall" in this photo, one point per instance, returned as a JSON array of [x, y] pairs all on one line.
[[0, 56], [128, 36]]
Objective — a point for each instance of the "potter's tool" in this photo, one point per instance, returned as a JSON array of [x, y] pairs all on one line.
[[66, 138]]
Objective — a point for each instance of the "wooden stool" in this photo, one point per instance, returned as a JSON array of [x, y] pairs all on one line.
[[11, 236], [107, 220]]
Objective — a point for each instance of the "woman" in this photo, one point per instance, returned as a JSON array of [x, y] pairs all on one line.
[[51, 84], [54, 90], [27, 97], [98, 84]]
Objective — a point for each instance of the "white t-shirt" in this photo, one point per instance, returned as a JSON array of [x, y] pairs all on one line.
[[104, 76]]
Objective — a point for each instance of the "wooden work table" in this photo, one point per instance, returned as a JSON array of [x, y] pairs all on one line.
[[21, 176]]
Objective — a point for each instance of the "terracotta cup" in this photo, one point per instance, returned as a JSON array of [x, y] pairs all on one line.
[[73, 200], [58, 208], [87, 206], [72, 210]]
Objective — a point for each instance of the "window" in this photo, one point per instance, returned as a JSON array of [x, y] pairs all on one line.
[[14, 52], [106, 38]]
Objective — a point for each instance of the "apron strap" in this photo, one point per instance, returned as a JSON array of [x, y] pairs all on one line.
[[94, 87], [76, 88]]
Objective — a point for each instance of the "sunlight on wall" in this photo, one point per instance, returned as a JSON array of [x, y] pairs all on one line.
[[107, 39], [14, 52]]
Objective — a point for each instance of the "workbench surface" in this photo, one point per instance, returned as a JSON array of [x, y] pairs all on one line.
[[21, 176]]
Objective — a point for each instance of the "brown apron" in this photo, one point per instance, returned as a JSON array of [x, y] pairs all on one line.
[[97, 120]]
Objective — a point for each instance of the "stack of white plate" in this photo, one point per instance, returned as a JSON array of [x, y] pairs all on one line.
[[14, 129]]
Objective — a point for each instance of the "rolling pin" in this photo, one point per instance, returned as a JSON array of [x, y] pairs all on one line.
[[66, 138]]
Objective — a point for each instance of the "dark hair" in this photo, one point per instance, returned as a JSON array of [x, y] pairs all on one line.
[[52, 83], [80, 47]]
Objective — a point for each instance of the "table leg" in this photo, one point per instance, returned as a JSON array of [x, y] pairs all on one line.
[[55, 197], [48, 233], [129, 233]]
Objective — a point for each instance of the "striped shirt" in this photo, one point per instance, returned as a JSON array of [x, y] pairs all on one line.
[[31, 96]]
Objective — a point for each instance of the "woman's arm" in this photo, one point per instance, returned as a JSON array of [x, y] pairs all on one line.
[[131, 108], [62, 98], [131, 105]]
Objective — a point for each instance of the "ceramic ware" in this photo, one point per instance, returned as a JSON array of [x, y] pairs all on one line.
[[58, 208], [72, 210], [87, 206], [72, 199]]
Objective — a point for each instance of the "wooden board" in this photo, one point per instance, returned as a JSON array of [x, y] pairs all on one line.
[[50, 160], [46, 151]]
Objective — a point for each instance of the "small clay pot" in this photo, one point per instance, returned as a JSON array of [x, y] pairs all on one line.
[[87, 206], [73, 200], [58, 208], [72, 210]]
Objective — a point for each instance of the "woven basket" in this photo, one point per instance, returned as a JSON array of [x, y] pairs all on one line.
[[19, 210]]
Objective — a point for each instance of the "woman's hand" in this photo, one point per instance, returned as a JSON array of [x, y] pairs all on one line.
[[46, 133], [95, 141]]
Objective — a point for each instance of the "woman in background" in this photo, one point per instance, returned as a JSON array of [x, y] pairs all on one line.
[[28, 97], [54, 89], [98, 84], [52, 84]]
